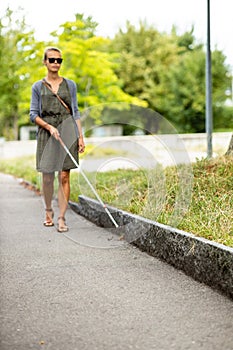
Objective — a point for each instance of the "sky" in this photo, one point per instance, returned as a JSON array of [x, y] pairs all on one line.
[[45, 16]]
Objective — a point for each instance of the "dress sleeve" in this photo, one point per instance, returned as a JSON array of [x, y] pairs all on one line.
[[35, 103], [76, 113]]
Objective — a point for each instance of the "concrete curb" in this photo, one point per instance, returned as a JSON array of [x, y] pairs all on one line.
[[205, 261]]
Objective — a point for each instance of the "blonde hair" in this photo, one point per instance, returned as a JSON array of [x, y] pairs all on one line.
[[50, 49]]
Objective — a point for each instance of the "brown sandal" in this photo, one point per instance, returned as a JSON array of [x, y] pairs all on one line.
[[49, 219], [64, 227]]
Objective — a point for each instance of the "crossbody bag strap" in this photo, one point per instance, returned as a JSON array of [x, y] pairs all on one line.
[[59, 98]]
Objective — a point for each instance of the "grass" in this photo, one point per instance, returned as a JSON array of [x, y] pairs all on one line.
[[203, 207], [211, 210]]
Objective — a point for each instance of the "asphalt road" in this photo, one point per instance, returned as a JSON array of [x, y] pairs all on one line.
[[88, 290]]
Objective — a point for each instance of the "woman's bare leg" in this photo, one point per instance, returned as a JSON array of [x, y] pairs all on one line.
[[48, 190], [63, 197]]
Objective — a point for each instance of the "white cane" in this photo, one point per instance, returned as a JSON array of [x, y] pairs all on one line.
[[92, 188]]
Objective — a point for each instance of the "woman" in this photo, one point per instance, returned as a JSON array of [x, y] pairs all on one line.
[[54, 109]]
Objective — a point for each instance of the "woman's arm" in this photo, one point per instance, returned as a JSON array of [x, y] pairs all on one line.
[[81, 144]]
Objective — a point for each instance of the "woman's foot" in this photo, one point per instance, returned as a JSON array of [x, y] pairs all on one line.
[[49, 218], [61, 224]]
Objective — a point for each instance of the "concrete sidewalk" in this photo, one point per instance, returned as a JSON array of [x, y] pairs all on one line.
[[87, 290]]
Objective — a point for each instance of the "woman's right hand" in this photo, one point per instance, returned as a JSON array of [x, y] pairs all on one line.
[[54, 132], [43, 124]]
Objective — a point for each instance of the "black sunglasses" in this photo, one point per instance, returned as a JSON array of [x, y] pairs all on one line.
[[53, 59]]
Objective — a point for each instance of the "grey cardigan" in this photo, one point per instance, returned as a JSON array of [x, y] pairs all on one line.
[[36, 100]]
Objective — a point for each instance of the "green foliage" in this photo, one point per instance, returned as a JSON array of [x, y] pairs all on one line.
[[143, 55], [10, 44], [88, 62], [187, 86], [168, 71], [19, 67], [185, 104], [224, 121], [22, 167]]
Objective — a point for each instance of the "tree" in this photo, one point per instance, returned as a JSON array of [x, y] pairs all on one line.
[[168, 71], [9, 83], [88, 62], [17, 49]]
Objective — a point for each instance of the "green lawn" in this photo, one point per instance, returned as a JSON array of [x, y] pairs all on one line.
[[203, 207]]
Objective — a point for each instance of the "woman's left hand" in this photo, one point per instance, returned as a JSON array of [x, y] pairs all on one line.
[[81, 145]]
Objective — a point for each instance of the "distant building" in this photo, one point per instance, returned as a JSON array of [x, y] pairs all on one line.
[[107, 130], [28, 133]]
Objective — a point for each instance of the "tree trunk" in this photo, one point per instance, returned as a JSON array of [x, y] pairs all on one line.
[[230, 147], [15, 128]]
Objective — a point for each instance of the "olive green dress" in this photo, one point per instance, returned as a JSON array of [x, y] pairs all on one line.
[[50, 155]]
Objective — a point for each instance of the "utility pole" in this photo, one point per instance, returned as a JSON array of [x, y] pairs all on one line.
[[209, 114]]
